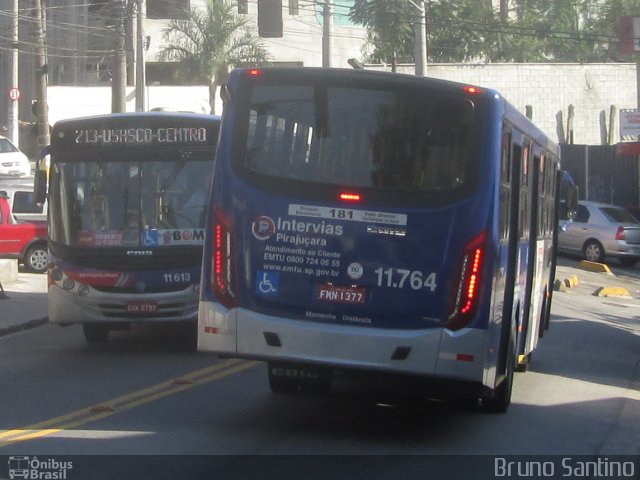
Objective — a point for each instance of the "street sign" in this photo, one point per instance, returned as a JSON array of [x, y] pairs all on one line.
[[14, 94], [629, 124]]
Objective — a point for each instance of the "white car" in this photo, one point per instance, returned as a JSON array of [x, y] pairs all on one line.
[[13, 163]]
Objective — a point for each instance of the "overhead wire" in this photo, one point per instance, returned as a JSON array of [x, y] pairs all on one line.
[[310, 20]]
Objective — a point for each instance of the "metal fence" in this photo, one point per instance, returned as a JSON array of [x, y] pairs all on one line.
[[602, 175]]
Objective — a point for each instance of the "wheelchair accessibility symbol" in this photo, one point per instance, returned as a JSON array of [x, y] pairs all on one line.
[[267, 283], [149, 238]]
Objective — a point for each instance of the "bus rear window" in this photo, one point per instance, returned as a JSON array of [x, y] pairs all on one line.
[[387, 140]]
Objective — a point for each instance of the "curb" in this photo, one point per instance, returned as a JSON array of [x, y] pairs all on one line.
[[563, 285], [19, 327], [595, 267], [619, 292]]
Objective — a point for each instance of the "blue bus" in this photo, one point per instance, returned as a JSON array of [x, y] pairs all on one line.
[[366, 222], [127, 196]]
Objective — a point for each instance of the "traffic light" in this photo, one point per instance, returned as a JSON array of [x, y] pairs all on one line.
[[270, 18]]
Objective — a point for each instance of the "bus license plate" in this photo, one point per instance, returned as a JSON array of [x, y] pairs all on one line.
[[142, 307], [341, 294]]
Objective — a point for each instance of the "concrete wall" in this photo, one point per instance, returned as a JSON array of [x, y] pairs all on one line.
[[548, 88], [8, 271], [301, 42], [71, 102]]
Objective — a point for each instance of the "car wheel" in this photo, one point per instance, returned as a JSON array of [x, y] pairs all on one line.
[[593, 251], [36, 258]]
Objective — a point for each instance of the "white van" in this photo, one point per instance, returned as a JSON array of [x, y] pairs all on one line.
[[22, 200]]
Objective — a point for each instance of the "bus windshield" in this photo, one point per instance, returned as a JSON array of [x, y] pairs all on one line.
[[397, 140], [126, 201]]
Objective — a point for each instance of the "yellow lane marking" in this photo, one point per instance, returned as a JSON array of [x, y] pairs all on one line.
[[124, 402]]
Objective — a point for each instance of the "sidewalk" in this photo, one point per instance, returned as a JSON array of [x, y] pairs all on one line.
[[25, 305]]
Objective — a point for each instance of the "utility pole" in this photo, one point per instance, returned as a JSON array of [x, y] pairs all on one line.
[[327, 32], [420, 28], [421, 39], [140, 54], [42, 68], [119, 62], [13, 113]]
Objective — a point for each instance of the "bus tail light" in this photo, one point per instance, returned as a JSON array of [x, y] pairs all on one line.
[[466, 294], [223, 261], [350, 196]]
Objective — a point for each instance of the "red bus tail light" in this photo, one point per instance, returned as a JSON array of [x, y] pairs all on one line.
[[223, 261], [350, 196], [466, 294]]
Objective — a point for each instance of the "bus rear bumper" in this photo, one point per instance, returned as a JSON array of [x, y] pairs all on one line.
[[427, 352]]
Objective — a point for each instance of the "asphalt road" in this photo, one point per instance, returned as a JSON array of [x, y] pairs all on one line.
[[141, 394]]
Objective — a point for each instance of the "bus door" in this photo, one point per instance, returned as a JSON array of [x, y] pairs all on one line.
[[525, 235], [536, 258], [515, 231]]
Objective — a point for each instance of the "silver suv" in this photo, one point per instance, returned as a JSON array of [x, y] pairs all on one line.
[[600, 230]]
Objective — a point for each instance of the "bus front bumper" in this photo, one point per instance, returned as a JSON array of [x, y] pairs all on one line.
[[67, 308]]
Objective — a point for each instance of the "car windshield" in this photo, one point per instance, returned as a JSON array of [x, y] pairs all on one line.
[[618, 215], [6, 146]]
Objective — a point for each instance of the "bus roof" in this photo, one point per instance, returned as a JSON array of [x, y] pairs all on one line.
[[118, 118]]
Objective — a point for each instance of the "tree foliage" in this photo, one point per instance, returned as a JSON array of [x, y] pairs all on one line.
[[475, 30], [208, 43]]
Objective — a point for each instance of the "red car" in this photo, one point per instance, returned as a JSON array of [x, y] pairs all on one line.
[[26, 241]]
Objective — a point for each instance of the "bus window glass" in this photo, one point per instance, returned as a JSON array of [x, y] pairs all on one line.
[[387, 140], [114, 202]]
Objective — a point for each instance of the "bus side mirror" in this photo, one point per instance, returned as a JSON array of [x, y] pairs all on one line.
[[572, 201], [568, 194], [40, 186]]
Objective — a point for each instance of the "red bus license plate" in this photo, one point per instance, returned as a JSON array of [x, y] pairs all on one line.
[[142, 307], [340, 294]]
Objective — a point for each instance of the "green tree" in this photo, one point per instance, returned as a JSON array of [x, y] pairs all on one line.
[[389, 29], [208, 43], [604, 28], [517, 31], [460, 30], [452, 38]]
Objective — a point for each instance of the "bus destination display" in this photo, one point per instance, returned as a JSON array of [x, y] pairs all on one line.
[[141, 136]]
